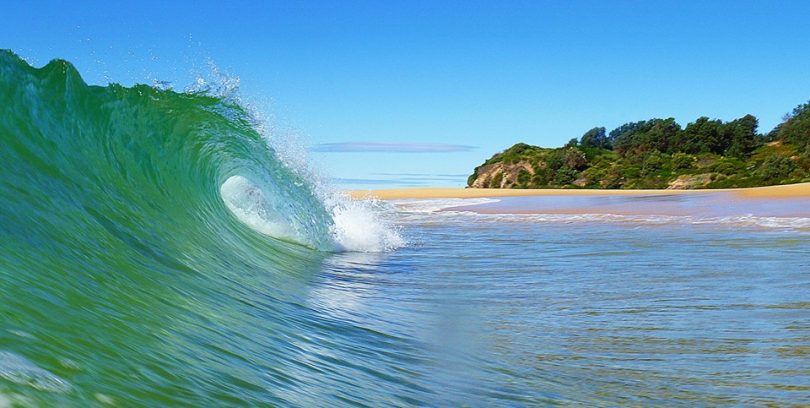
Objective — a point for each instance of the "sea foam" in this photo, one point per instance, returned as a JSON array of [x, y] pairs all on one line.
[[358, 226], [20, 370]]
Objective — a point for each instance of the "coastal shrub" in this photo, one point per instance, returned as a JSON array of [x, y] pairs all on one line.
[[538, 181], [631, 172], [542, 177], [574, 159], [653, 182], [613, 178], [728, 166], [515, 153], [655, 152], [723, 168], [496, 180], [565, 176], [776, 167], [555, 160], [804, 163], [682, 161], [524, 177], [473, 177], [653, 162], [536, 167]]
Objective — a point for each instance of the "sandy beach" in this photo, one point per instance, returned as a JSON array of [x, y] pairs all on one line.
[[800, 190]]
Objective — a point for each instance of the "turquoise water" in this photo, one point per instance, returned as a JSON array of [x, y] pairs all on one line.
[[156, 251]]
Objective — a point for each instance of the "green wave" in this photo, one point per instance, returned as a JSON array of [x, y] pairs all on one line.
[[139, 165], [150, 240]]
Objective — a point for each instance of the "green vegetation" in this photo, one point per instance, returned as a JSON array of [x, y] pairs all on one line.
[[659, 153]]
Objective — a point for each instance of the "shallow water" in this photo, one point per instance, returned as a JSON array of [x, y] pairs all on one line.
[[581, 311], [478, 310]]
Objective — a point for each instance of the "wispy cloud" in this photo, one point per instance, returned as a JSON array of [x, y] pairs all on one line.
[[409, 181], [420, 175], [352, 181], [363, 147]]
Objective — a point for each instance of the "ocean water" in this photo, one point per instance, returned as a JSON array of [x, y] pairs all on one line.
[[156, 251], [610, 310]]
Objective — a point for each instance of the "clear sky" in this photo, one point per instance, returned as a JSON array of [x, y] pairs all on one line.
[[390, 93]]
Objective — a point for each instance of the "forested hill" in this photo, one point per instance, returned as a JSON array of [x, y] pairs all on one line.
[[659, 153]]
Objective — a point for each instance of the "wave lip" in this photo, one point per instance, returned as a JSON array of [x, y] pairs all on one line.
[[356, 226]]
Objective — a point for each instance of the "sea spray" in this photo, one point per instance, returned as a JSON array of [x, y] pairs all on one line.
[[361, 226], [356, 225]]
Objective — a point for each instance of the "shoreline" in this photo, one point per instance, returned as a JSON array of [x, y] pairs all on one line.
[[799, 190]]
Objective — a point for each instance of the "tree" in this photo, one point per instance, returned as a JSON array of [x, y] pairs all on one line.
[[700, 136], [742, 136], [796, 128], [595, 138], [623, 131], [637, 138]]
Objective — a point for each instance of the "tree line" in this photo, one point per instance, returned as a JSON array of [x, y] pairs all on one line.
[[653, 153]]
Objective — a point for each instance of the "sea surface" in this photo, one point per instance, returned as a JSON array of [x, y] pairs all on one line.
[[156, 250]]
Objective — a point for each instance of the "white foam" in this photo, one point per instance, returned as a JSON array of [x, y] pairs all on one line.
[[360, 226], [747, 220], [357, 225], [20, 370], [433, 205]]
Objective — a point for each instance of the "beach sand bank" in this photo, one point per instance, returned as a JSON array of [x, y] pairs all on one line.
[[801, 190]]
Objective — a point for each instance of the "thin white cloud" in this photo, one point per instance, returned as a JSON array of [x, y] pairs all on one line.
[[363, 147], [420, 175]]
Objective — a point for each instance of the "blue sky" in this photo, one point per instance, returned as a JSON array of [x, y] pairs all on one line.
[[391, 93]]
